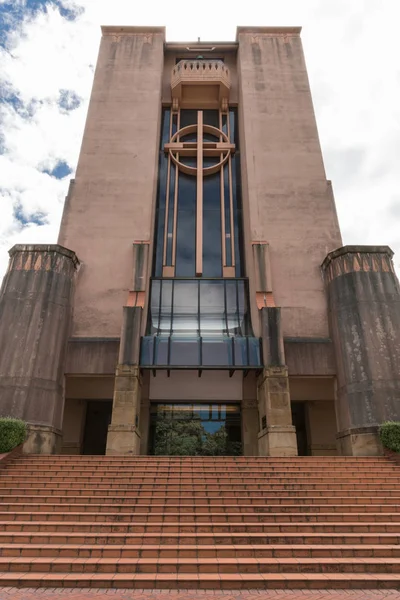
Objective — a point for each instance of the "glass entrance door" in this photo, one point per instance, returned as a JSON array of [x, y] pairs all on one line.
[[194, 429]]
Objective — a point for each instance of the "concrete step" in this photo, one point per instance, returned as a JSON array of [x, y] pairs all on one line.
[[214, 527], [229, 581], [246, 538], [195, 518], [210, 509], [239, 551], [200, 565]]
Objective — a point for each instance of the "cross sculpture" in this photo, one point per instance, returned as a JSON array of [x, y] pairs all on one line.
[[177, 149]]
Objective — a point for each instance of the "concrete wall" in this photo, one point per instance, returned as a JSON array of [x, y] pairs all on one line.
[[287, 200], [186, 385], [111, 203]]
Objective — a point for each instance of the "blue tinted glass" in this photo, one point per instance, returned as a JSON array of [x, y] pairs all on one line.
[[170, 214], [185, 352], [165, 307], [161, 351], [185, 308], [166, 116], [232, 124], [174, 123], [210, 161], [186, 227], [232, 309], [160, 214], [212, 307], [209, 137], [211, 117], [212, 251], [224, 123], [189, 137], [188, 117], [237, 213], [227, 205], [217, 352]]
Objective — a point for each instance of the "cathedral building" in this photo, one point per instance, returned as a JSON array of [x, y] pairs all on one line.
[[199, 300]]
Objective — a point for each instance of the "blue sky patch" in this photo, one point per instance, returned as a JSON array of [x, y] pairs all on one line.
[[37, 219], [69, 100], [14, 12], [62, 169]]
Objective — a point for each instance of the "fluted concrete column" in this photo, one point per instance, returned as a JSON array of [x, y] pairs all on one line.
[[364, 308], [35, 315]]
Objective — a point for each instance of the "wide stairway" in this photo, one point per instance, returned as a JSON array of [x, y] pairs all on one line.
[[150, 522]]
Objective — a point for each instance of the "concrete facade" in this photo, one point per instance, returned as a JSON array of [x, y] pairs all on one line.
[[327, 317]]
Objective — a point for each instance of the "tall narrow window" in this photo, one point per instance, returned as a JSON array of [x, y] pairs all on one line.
[[198, 227]]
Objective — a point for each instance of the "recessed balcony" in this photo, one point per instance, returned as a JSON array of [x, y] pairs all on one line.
[[200, 83]]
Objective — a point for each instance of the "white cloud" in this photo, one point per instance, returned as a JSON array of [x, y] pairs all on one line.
[[351, 52]]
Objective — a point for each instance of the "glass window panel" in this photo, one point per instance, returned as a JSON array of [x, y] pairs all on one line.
[[224, 123], [186, 233], [232, 315], [161, 350], [165, 308], [232, 124], [237, 213], [146, 350], [209, 137], [241, 306], [210, 161], [217, 352], [155, 305], [170, 227], [212, 247], [211, 117], [227, 207], [185, 319], [184, 352], [159, 243], [212, 320], [166, 116], [160, 214], [188, 117], [241, 357], [254, 356], [189, 137], [174, 123]]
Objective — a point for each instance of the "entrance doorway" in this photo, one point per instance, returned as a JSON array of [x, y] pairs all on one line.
[[98, 418], [194, 429], [299, 421]]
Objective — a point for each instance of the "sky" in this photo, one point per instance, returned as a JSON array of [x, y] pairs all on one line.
[[48, 51]]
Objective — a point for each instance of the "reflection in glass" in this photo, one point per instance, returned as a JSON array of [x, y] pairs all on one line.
[[199, 429], [206, 321]]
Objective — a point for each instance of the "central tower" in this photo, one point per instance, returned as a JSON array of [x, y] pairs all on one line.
[[198, 301]]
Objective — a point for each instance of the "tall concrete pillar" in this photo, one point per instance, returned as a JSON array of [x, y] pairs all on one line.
[[35, 316], [277, 436], [364, 308], [123, 432]]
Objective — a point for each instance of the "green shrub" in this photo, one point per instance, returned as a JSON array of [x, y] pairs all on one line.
[[389, 434], [12, 433]]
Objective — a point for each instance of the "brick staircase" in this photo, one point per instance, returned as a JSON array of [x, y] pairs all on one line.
[[150, 522]]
